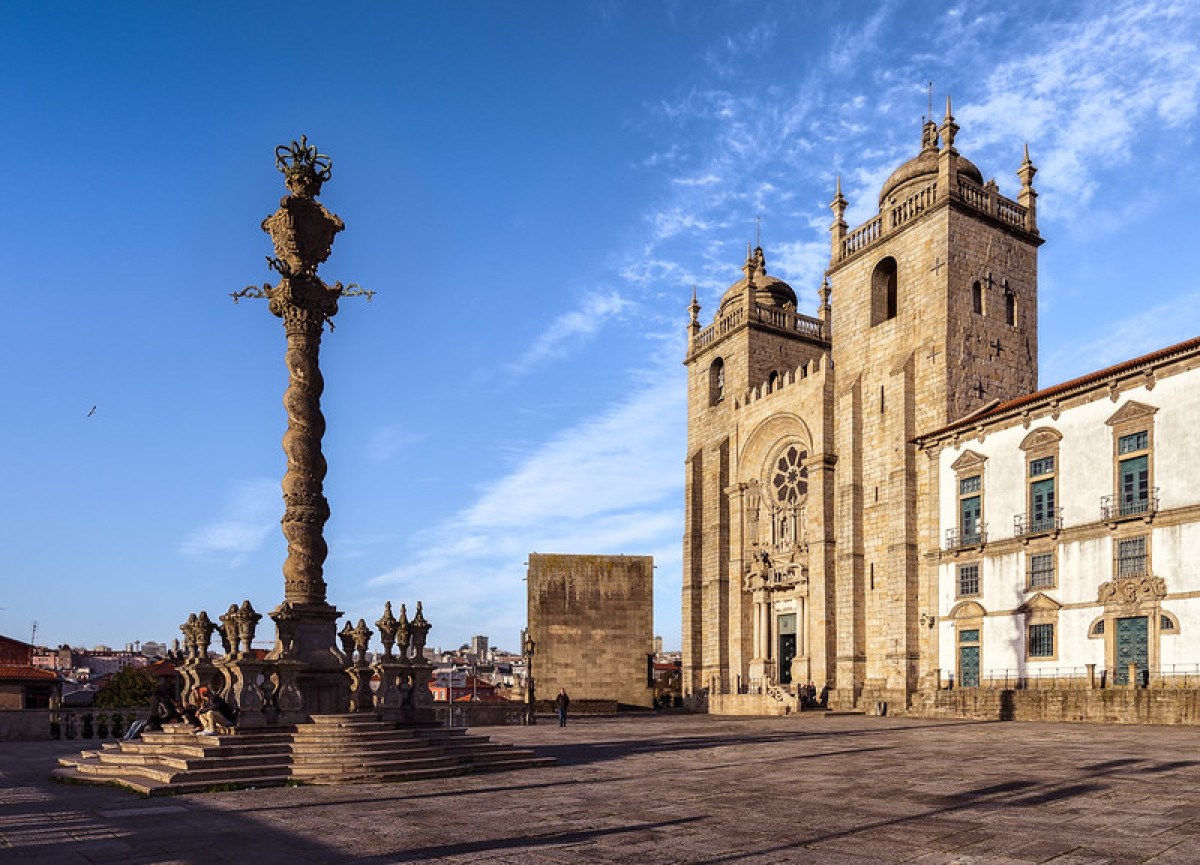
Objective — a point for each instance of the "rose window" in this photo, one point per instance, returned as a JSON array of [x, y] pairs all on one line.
[[789, 476]]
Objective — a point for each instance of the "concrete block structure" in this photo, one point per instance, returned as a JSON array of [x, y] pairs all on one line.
[[592, 620]]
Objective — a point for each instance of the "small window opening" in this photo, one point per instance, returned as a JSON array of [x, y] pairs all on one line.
[[1010, 307], [716, 381], [977, 298], [884, 295]]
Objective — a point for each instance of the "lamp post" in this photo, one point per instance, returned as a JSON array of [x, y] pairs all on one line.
[[530, 711]]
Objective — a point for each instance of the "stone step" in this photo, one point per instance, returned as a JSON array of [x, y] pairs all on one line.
[[151, 787], [334, 749]]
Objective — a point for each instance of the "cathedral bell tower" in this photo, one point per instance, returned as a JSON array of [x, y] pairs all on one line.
[[934, 308], [755, 338]]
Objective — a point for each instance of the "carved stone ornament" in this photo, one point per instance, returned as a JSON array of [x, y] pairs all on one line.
[[387, 629], [1132, 590]]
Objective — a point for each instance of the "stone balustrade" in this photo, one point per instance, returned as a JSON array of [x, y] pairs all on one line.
[[895, 215]]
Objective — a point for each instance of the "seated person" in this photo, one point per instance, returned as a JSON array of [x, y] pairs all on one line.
[[163, 710], [216, 716]]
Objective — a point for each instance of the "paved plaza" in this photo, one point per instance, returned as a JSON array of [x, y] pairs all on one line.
[[674, 788]]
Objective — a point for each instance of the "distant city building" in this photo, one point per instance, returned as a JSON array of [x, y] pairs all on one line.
[[22, 685], [479, 647]]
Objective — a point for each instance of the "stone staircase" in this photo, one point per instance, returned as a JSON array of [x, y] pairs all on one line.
[[331, 749]]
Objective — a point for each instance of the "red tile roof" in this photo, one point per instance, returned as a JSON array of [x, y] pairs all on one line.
[[1074, 384], [22, 673]]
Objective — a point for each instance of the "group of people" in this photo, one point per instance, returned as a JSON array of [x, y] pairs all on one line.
[[810, 699], [207, 712]]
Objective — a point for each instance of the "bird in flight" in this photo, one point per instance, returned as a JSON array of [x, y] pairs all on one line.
[[91, 411]]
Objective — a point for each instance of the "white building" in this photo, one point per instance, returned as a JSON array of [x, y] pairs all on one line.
[[1068, 522]]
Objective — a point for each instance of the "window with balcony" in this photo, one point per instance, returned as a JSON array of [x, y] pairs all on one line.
[[968, 529], [1041, 468], [1134, 493]]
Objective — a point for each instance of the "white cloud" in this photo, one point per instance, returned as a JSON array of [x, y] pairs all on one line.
[[251, 515], [571, 328], [611, 484], [387, 441], [1135, 334]]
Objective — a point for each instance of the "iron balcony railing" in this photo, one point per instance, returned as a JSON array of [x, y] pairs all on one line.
[[1039, 523], [1116, 507], [958, 538]]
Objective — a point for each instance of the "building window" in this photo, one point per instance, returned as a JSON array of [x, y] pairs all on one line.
[[1010, 307], [977, 298], [1041, 571], [1132, 560], [789, 476], [1098, 629], [1166, 623], [884, 299], [1043, 515], [1133, 471], [716, 381], [1041, 641], [970, 509], [772, 380], [968, 580]]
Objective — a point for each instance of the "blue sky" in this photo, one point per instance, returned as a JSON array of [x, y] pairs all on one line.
[[532, 189]]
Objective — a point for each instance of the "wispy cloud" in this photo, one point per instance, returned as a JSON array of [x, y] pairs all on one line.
[[252, 513], [1134, 334], [387, 441], [572, 328], [611, 484]]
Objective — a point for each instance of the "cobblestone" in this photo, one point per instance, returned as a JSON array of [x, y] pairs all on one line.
[[674, 788]]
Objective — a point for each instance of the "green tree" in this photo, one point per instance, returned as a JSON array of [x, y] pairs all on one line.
[[130, 687]]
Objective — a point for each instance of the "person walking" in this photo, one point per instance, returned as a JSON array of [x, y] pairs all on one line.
[[560, 704]]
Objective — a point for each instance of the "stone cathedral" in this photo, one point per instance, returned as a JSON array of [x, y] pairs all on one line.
[[800, 558], [879, 499]]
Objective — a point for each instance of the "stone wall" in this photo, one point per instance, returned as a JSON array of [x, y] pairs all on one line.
[[592, 619], [1107, 706]]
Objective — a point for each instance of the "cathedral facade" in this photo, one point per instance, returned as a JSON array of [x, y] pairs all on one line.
[[831, 499]]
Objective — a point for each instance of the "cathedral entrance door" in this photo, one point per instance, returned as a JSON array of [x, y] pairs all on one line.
[[1133, 647], [787, 647]]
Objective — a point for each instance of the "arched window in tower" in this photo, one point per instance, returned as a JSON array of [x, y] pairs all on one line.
[[884, 301], [772, 381], [977, 298], [1010, 306], [716, 381]]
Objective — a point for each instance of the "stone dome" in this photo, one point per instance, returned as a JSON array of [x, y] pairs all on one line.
[[768, 289], [922, 168]]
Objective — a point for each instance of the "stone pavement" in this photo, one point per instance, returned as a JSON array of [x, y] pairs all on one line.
[[674, 788]]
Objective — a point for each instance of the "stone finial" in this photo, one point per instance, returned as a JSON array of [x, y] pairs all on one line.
[[420, 631], [929, 135], [823, 309], [230, 630], [248, 619], [285, 630], [693, 316], [949, 127], [362, 640], [403, 633], [837, 230], [346, 635], [303, 168], [191, 642], [1027, 197], [204, 632], [387, 629]]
